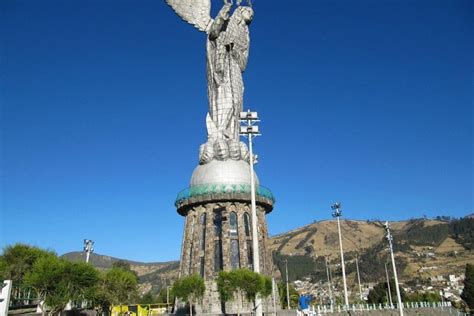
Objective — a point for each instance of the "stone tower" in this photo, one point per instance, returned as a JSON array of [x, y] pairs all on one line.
[[217, 233], [217, 204]]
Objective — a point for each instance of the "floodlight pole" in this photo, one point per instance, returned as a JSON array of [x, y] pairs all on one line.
[[274, 296], [251, 131], [358, 278], [88, 248], [337, 213], [287, 285], [388, 287], [168, 299], [329, 284], [397, 287]]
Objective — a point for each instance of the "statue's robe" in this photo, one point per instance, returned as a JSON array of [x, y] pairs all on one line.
[[226, 60]]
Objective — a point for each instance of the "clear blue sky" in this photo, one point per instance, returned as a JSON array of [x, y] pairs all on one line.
[[103, 109]]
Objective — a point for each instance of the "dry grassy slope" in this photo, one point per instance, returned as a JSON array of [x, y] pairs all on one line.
[[152, 276], [321, 239], [324, 241]]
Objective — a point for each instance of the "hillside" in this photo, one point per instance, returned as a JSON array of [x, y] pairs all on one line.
[[152, 276], [423, 248]]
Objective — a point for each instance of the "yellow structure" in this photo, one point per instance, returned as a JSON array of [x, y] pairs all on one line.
[[139, 310]]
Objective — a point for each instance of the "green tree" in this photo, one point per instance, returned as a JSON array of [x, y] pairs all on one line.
[[81, 277], [379, 293], [57, 281], [227, 285], [125, 265], [267, 287], [244, 282], [468, 292], [122, 264], [431, 297], [147, 298], [18, 260], [251, 284], [119, 287], [293, 295], [3, 268], [115, 287], [164, 295], [189, 289]]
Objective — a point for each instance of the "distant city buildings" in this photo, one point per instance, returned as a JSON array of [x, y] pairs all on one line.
[[449, 287]]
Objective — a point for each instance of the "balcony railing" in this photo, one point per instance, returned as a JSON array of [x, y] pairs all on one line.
[[207, 189]]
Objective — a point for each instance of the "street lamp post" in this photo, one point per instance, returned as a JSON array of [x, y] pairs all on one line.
[[329, 284], [88, 248], [358, 279], [250, 130], [397, 287], [338, 213], [388, 287], [287, 285]]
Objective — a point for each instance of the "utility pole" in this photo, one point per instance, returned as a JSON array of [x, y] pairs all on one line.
[[337, 213], [358, 279], [250, 130], [329, 283], [274, 296], [287, 285], [167, 299], [88, 248], [388, 286], [397, 287]]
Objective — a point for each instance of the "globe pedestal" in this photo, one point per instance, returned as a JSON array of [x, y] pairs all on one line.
[[217, 233]]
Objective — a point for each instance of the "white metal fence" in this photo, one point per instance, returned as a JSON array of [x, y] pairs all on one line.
[[327, 309]]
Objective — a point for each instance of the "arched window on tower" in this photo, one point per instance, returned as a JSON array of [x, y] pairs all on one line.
[[250, 254], [248, 238], [234, 241], [247, 224], [217, 221], [202, 241], [191, 246], [233, 225]]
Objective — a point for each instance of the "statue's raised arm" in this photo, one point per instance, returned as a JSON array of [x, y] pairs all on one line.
[[228, 44]]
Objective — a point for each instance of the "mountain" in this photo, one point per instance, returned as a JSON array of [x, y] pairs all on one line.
[[152, 276], [423, 248]]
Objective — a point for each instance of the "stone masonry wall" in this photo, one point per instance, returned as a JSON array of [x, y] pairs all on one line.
[[202, 237]]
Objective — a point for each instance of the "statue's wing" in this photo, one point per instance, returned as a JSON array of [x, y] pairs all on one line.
[[195, 12]]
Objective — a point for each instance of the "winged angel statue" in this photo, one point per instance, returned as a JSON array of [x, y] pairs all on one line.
[[227, 53]]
